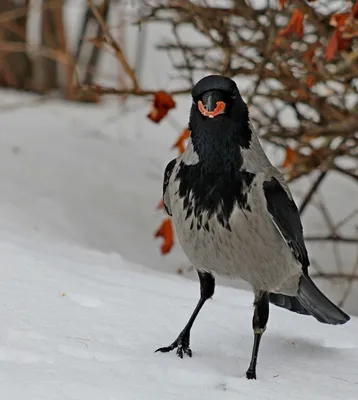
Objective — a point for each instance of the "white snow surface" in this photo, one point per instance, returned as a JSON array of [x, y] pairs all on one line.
[[80, 324]]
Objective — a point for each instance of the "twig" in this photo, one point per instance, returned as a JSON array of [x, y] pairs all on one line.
[[346, 172], [49, 52], [350, 284], [312, 191], [335, 245], [334, 238], [335, 275], [115, 45], [346, 219], [138, 92], [188, 65]]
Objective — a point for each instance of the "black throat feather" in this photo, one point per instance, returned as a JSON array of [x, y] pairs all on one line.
[[217, 182]]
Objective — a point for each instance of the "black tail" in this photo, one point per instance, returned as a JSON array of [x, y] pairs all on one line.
[[310, 300], [289, 302]]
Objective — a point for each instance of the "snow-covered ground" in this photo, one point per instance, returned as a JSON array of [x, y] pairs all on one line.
[[84, 175], [83, 325]]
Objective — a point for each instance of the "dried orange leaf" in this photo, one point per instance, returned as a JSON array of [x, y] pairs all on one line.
[[295, 25], [290, 157], [338, 19], [310, 80], [163, 100], [179, 144], [354, 10], [348, 34], [343, 43], [335, 43], [162, 103], [157, 114], [332, 45], [165, 231]]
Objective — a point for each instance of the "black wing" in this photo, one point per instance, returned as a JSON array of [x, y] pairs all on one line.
[[285, 215], [167, 174]]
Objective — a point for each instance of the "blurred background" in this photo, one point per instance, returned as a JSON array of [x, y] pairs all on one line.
[[94, 102]]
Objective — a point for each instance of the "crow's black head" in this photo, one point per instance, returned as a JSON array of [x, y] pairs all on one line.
[[219, 116]]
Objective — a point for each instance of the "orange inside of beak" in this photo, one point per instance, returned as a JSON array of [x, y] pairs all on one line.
[[220, 107]]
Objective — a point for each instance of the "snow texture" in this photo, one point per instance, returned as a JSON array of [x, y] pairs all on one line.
[[81, 324]]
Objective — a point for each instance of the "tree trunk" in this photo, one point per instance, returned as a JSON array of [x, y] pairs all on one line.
[[93, 55], [94, 58], [53, 47], [15, 65]]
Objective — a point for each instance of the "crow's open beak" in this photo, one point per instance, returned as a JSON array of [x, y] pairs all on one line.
[[210, 107]]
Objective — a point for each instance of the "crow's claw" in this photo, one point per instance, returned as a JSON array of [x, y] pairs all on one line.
[[181, 350], [251, 374], [166, 349], [181, 344]]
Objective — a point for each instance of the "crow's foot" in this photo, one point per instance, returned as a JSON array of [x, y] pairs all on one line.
[[251, 374], [181, 344]]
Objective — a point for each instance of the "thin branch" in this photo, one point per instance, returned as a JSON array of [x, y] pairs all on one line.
[[135, 92], [350, 284], [346, 219], [49, 52], [330, 224], [346, 172], [333, 275], [334, 238], [312, 191], [114, 44]]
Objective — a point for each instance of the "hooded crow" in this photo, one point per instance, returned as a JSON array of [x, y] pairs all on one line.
[[235, 216]]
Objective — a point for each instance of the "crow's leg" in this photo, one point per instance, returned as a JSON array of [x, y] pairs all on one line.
[[259, 322], [181, 343]]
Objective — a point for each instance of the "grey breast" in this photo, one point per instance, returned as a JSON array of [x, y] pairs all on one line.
[[253, 250]]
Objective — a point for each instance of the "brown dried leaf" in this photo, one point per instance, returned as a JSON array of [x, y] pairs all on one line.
[[165, 231], [310, 80], [290, 157], [354, 10], [180, 143], [295, 25], [335, 43], [162, 103], [338, 19]]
